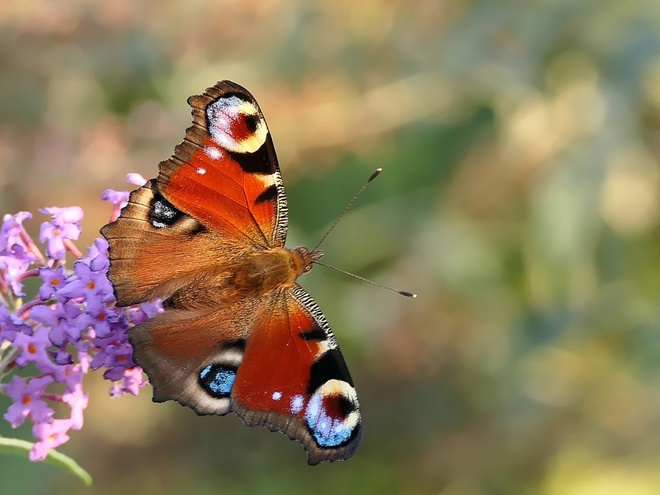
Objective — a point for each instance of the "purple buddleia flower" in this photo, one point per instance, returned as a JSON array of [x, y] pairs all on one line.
[[34, 349], [63, 216], [76, 399], [70, 327], [115, 353], [98, 256], [11, 231], [92, 285], [62, 357], [133, 381], [119, 199], [99, 318], [50, 434], [115, 197], [136, 179], [62, 318], [27, 400], [53, 280], [11, 325], [64, 225], [144, 311], [71, 375], [14, 264]]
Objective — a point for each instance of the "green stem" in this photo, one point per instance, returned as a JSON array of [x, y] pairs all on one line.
[[21, 447]]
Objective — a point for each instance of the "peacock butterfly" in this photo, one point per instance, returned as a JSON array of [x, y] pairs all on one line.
[[237, 334]]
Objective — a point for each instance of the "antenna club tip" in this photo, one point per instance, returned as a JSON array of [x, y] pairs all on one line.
[[375, 174], [407, 294]]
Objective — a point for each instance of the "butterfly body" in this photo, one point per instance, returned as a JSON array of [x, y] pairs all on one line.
[[237, 334]]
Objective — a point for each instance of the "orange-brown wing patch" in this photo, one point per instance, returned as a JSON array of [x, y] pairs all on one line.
[[155, 250]]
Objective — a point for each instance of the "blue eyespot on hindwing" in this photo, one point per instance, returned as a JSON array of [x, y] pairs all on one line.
[[217, 380]]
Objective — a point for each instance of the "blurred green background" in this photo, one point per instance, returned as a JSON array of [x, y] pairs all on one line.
[[520, 199]]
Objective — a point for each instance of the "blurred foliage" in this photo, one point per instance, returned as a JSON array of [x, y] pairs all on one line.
[[520, 198]]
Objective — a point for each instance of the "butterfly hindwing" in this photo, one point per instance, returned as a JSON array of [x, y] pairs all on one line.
[[293, 379], [175, 347], [275, 363]]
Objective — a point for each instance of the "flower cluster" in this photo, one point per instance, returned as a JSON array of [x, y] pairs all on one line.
[[69, 327]]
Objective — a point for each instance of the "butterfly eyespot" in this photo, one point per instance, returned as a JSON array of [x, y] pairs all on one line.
[[236, 124], [162, 213], [217, 380], [332, 414]]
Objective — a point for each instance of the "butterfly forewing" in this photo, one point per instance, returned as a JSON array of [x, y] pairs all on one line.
[[225, 172]]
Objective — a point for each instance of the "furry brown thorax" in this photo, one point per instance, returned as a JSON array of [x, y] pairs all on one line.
[[265, 271]]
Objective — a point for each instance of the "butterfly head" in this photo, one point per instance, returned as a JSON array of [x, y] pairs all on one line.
[[308, 257]]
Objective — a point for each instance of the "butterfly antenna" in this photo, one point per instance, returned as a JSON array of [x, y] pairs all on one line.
[[400, 292], [348, 206]]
